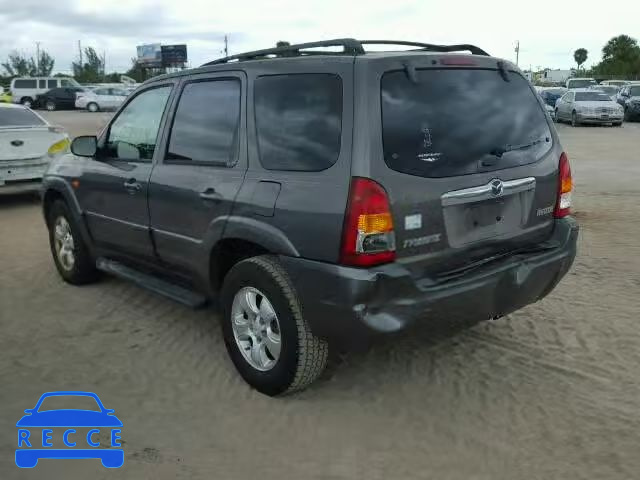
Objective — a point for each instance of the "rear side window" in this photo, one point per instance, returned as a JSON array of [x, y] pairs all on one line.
[[25, 84], [205, 128], [457, 122], [52, 83], [298, 121], [18, 117]]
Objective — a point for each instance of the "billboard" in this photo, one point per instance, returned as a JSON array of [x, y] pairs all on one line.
[[174, 55], [150, 55]]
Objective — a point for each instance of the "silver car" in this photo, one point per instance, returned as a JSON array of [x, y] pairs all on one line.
[[588, 106], [610, 90]]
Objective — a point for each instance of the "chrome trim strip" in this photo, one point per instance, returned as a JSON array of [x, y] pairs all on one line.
[[485, 192]]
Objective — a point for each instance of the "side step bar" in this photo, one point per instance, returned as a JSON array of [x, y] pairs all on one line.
[[174, 292]]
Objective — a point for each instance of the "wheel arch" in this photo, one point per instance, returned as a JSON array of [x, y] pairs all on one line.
[[56, 188], [245, 238]]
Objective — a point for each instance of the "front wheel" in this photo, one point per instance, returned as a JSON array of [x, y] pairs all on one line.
[[70, 254], [617, 124], [574, 119], [93, 107], [267, 338]]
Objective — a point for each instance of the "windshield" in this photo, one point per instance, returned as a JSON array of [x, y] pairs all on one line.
[[66, 402], [635, 91], [69, 82], [592, 97], [608, 90], [18, 117], [450, 121], [581, 83]]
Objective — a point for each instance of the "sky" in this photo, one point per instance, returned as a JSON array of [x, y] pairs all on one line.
[[549, 31]]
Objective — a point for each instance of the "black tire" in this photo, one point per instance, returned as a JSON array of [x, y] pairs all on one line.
[[617, 124], [93, 107], [27, 102], [574, 119], [50, 105], [303, 356], [556, 118], [627, 117], [84, 269]]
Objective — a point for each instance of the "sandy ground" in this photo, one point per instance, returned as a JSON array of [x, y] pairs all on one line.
[[550, 392]]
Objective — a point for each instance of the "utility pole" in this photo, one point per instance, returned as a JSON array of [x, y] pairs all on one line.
[[37, 58], [80, 52], [517, 52], [226, 46]]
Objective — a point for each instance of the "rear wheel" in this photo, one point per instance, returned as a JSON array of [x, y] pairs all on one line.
[[26, 101], [70, 254], [574, 119], [50, 105], [267, 338], [93, 107]]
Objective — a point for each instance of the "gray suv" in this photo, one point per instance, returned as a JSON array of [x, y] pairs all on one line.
[[322, 195]]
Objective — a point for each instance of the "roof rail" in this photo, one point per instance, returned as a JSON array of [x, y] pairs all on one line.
[[350, 46], [429, 46]]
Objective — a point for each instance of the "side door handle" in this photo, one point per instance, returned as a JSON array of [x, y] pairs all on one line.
[[132, 186], [210, 195]]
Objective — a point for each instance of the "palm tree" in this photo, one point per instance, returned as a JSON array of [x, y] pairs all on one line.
[[580, 56]]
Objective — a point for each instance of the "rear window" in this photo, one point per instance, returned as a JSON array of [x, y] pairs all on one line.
[[592, 97], [457, 122], [25, 84], [18, 117], [634, 91], [581, 83], [298, 121]]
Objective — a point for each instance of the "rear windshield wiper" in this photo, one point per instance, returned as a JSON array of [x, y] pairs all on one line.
[[499, 151]]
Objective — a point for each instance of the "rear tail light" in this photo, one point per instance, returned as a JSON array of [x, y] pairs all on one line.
[[565, 186], [367, 236]]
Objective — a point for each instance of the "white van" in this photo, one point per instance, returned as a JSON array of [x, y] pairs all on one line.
[[25, 89]]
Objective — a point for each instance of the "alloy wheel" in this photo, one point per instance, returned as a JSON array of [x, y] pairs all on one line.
[[256, 328]]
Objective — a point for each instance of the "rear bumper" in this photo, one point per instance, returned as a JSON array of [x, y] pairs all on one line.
[[22, 175], [351, 306]]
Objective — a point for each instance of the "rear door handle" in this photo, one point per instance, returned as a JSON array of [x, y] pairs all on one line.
[[132, 186], [210, 195]]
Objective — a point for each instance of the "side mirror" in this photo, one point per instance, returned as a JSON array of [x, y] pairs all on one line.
[[85, 146]]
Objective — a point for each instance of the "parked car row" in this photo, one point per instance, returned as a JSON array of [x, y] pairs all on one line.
[[52, 93]]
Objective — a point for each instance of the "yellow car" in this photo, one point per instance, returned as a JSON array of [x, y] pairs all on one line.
[[5, 96]]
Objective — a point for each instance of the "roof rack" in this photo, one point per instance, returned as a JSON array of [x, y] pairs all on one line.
[[430, 47], [350, 46]]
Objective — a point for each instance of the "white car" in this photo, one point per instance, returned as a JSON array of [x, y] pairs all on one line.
[[27, 144], [573, 83], [102, 98]]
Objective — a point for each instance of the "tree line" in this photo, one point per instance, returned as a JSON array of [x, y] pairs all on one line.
[[620, 58], [89, 69]]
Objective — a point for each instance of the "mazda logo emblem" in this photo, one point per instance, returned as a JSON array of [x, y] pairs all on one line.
[[497, 187]]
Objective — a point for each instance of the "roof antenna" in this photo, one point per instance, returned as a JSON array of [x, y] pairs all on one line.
[[410, 70], [503, 71]]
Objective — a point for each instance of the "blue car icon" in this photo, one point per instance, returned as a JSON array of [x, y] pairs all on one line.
[[28, 456]]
